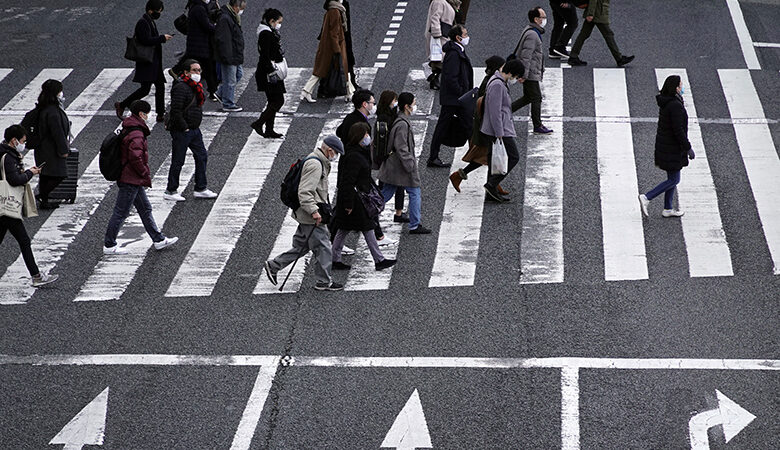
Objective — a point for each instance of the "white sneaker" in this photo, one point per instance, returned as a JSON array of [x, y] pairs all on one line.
[[43, 279], [204, 194], [115, 250], [167, 242], [307, 96], [672, 213], [643, 203], [173, 197], [347, 251], [385, 242]]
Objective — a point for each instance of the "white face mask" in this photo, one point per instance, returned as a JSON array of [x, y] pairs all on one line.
[[20, 147], [366, 141], [544, 22], [61, 97], [414, 108], [195, 77], [393, 105], [240, 12], [465, 41], [278, 26], [372, 110], [512, 80]]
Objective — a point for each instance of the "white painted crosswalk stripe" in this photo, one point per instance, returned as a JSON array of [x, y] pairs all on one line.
[[541, 249], [4, 73], [758, 153], [705, 240], [623, 235], [26, 98], [296, 79], [366, 76]]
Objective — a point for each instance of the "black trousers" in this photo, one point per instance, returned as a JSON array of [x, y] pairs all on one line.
[[16, 227], [561, 35], [532, 93], [513, 155], [274, 105], [446, 116], [143, 91], [46, 184]]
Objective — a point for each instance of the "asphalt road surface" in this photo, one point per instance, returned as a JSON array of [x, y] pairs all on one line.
[[561, 319]]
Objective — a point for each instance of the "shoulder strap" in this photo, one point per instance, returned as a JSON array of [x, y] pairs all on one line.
[[517, 47], [2, 165], [318, 159]]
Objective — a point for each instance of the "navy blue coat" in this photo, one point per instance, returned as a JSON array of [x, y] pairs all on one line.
[[671, 139], [230, 39], [457, 76], [146, 34], [199, 29]]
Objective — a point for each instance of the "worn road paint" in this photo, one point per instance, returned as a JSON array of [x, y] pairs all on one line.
[[25, 99], [743, 34], [705, 241], [254, 406], [87, 427], [409, 430], [732, 417], [294, 83], [365, 77], [570, 408], [758, 153]]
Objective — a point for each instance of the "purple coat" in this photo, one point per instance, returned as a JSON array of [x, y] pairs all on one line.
[[497, 119]]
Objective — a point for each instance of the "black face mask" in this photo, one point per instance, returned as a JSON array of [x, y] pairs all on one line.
[[155, 15]]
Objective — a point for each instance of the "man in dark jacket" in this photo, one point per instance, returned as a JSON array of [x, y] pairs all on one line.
[[230, 52], [136, 176], [457, 78], [185, 117], [365, 105], [199, 31]]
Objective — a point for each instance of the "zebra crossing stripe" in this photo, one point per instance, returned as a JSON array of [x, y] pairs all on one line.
[[61, 227], [705, 241], [293, 85], [758, 153], [623, 234], [25, 99], [4, 73], [113, 274], [541, 249]]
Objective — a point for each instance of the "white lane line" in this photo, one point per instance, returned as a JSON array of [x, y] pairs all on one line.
[[363, 276], [380, 65], [766, 44], [624, 240], [4, 73], [25, 99], [455, 263], [705, 240], [200, 271], [388, 41], [570, 408], [743, 34], [254, 406], [758, 153], [367, 76], [541, 248], [289, 225], [294, 83], [392, 32], [63, 225]]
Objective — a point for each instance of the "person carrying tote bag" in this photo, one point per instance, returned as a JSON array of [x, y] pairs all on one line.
[[16, 199]]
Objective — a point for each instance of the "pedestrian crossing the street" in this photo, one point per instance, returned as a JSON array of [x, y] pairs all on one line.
[[620, 231]]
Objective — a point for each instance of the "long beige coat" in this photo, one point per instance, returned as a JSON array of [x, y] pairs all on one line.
[[331, 42], [438, 11]]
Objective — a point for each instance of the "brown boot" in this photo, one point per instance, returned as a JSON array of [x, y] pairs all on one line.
[[456, 179], [501, 190]]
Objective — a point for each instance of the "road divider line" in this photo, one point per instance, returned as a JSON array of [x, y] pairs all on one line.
[[570, 408], [254, 406]]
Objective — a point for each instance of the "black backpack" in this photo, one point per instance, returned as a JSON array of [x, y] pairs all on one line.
[[110, 159], [381, 142], [289, 192], [30, 124]]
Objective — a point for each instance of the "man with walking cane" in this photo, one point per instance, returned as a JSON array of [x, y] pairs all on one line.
[[312, 233]]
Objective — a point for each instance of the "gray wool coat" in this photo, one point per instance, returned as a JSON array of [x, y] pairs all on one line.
[[400, 168]]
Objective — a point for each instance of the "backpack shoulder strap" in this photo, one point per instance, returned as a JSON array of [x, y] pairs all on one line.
[[517, 47], [318, 159]]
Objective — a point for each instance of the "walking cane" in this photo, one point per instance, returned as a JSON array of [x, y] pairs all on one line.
[[296, 259]]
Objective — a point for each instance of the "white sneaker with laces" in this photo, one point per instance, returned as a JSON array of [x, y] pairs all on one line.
[[672, 213], [307, 96], [206, 193], [167, 242], [43, 279], [173, 197], [115, 250], [643, 203], [347, 251], [385, 242]]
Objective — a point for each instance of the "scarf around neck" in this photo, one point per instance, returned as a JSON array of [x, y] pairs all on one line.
[[235, 15], [196, 86], [455, 4], [336, 5]]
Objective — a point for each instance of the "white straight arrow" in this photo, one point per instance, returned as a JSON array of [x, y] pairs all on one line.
[[409, 431], [730, 415], [87, 427]]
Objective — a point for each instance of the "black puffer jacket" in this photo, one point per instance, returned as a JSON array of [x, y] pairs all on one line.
[[185, 111], [14, 170], [354, 173], [671, 139]]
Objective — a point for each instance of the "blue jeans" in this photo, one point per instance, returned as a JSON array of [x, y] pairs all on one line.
[[231, 75], [667, 187], [388, 190], [129, 195], [181, 140]]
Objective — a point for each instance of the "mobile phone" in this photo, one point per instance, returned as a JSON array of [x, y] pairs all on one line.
[[42, 164]]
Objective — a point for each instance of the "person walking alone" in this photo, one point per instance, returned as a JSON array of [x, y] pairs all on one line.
[[672, 147], [332, 43], [54, 147], [564, 25], [187, 100], [529, 52], [230, 52], [11, 150], [312, 232], [136, 177], [596, 14], [148, 74], [269, 46]]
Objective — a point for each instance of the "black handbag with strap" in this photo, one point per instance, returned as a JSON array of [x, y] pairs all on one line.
[[135, 51], [335, 84]]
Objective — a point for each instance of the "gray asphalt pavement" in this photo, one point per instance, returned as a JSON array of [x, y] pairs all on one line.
[[197, 403]]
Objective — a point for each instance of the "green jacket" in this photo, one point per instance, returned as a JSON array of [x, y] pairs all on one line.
[[599, 9]]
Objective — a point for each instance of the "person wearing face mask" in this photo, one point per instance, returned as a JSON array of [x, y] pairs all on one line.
[[200, 31], [312, 233], [230, 52], [596, 15], [672, 147], [333, 44], [54, 148], [148, 74], [529, 52], [457, 78], [386, 113], [135, 177], [441, 18], [497, 123], [355, 175], [269, 46], [11, 150], [399, 170]]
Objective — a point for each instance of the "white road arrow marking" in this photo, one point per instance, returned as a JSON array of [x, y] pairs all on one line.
[[409, 431], [730, 415], [87, 427]]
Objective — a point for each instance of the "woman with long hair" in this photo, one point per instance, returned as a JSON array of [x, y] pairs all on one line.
[[269, 46], [386, 113], [54, 147]]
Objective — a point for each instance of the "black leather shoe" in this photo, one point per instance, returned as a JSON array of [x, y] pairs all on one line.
[[338, 265], [271, 134], [403, 218], [385, 264], [625, 60], [437, 163], [576, 62], [493, 194], [420, 230]]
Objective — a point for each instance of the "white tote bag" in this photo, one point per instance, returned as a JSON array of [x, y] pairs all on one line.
[[499, 164], [11, 197], [280, 68], [436, 52]]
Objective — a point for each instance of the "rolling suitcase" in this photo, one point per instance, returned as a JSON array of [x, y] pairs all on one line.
[[66, 191]]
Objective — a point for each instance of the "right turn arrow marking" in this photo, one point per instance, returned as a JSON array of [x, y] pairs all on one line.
[[729, 414]]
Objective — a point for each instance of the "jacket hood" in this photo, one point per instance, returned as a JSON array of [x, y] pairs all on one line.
[[664, 100], [449, 45], [263, 27], [135, 121]]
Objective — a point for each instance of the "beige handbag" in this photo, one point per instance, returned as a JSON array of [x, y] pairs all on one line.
[[11, 197], [29, 208]]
